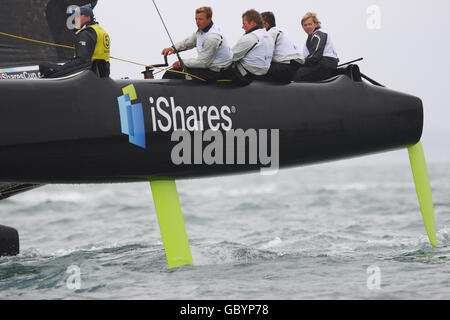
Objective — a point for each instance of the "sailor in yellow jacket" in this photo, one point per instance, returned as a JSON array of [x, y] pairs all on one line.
[[92, 49]]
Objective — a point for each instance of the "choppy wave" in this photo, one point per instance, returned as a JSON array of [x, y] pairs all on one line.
[[309, 233]]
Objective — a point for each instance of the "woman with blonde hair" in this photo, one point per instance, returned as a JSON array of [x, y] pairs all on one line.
[[321, 59]]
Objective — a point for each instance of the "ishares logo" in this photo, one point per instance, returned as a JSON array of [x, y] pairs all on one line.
[[132, 117]]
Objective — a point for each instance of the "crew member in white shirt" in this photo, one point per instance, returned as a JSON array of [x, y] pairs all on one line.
[[252, 54], [321, 59], [287, 58], [214, 53]]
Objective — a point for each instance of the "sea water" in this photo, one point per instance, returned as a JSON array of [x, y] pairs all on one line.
[[346, 230]]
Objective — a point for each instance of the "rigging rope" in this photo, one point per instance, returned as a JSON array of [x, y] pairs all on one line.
[[118, 59]]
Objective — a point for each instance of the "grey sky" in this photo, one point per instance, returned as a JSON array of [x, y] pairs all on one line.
[[409, 52]]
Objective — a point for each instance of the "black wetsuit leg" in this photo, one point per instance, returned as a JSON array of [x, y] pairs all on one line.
[[281, 72], [205, 74], [48, 68], [174, 75], [323, 70], [236, 77], [311, 73]]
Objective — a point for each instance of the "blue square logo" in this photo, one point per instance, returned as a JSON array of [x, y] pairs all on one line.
[[132, 118]]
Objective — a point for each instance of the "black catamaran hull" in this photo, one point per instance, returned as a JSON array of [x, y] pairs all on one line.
[[71, 130]]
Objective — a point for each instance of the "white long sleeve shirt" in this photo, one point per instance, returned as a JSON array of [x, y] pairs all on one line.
[[207, 55], [246, 44], [285, 48]]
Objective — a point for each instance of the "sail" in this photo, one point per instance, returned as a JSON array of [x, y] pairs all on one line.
[[41, 20]]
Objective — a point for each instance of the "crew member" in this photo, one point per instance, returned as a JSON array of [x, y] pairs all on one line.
[[92, 49], [252, 54], [214, 53], [287, 59], [321, 57]]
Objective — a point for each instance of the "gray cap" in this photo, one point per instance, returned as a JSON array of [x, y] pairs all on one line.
[[86, 11]]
